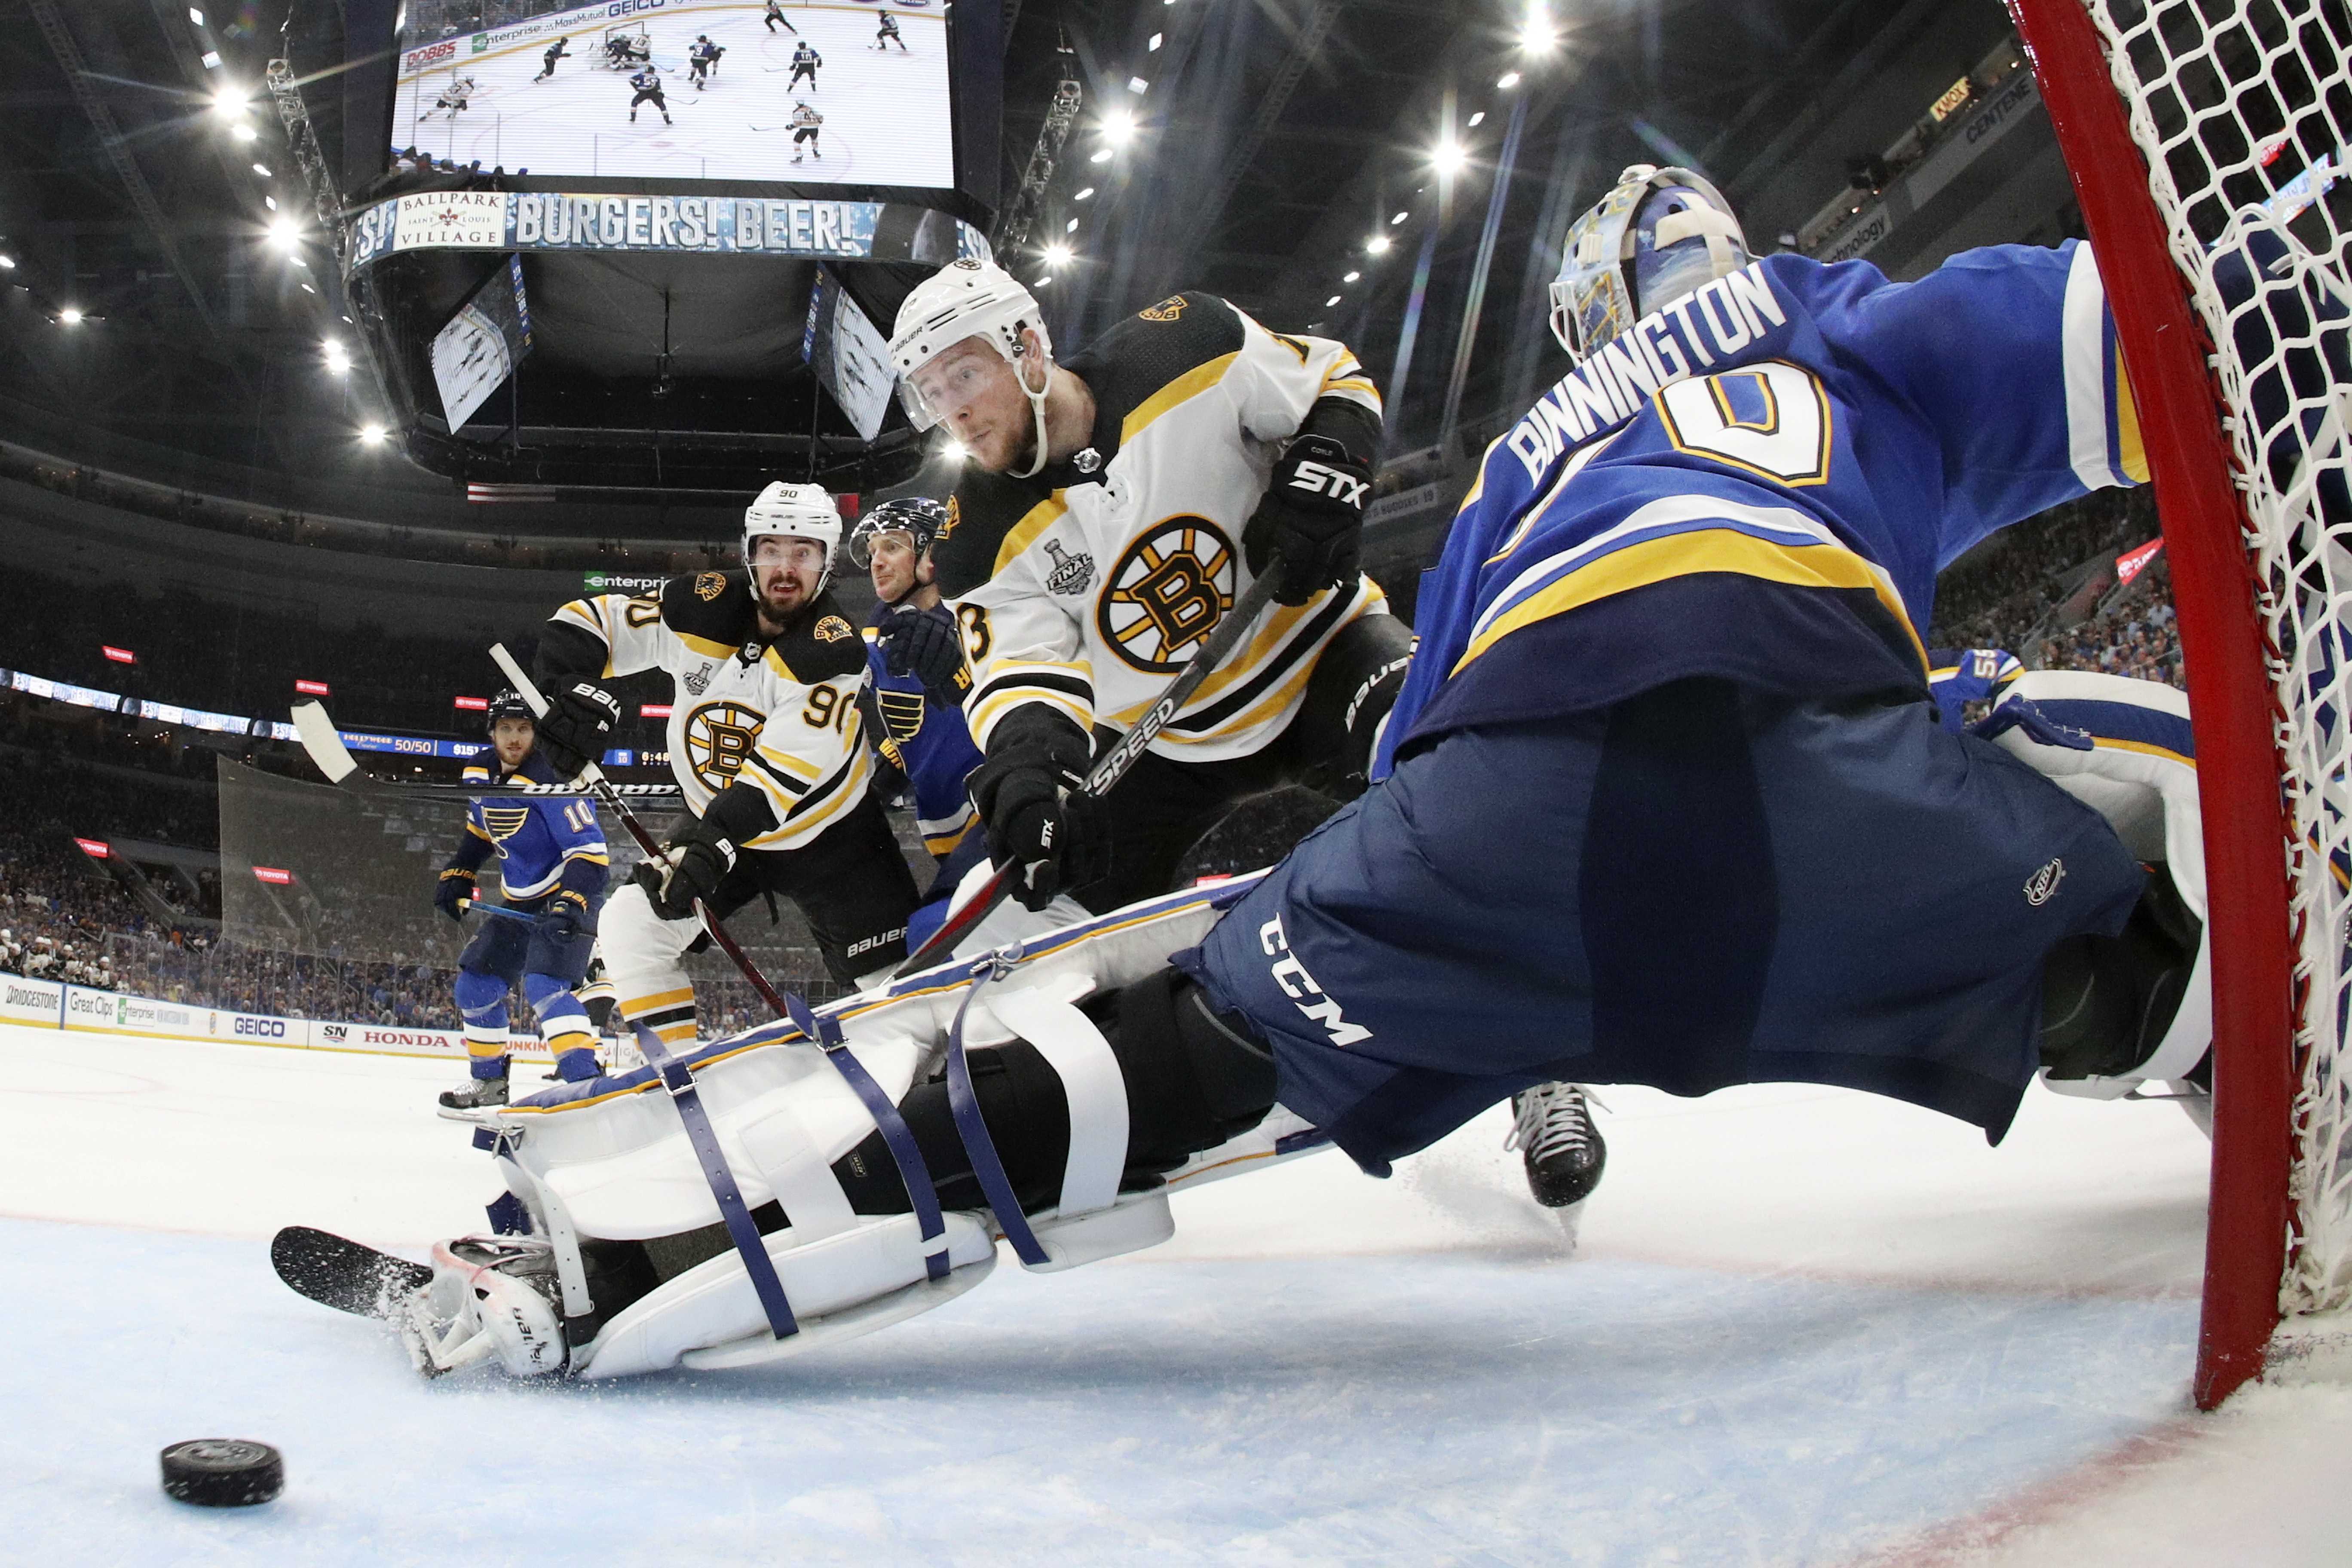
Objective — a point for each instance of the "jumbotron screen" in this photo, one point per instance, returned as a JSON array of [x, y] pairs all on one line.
[[851, 91]]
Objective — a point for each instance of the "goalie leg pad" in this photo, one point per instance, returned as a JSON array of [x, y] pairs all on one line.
[[2120, 1012]]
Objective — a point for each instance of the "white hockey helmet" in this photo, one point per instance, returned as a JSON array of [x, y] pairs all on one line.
[[801, 512], [971, 298], [1658, 236]]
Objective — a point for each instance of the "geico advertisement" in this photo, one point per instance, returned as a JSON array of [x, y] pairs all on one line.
[[121, 1014], [31, 1001]]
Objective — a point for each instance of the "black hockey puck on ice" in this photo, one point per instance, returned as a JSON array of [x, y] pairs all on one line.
[[223, 1472]]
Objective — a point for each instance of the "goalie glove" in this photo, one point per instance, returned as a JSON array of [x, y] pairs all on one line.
[[1312, 516], [927, 645], [454, 891], [691, 867], [578, 720], [1030, 792]]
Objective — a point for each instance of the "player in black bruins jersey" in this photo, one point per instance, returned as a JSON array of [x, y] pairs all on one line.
[[767, 745], [1115, 508]]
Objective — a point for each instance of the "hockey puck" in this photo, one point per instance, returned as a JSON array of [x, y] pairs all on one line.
[[223, 1472]]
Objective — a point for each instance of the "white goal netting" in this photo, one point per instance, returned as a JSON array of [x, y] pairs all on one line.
[[2244, 110]]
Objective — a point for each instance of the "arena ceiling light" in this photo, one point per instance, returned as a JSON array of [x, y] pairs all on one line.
[[954, 452], [7, 264], [285, 234], [1447, 158], [229, 101], [1537, 35], [1351, 276], [339, 359], [1119, 127], [1058, 255], [1332, 300], [195, 16], [1507, 81], [1102, 155], [70, 316], [372, 435], [1083, 194], [242, 131], [1378, 245]]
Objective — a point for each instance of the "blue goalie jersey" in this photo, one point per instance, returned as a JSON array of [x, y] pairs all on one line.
[[1762, 481], [537, 841], [925, 740]]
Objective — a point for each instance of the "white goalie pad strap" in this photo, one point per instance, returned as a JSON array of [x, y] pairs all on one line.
[[2140, 771], [1090, 1077]]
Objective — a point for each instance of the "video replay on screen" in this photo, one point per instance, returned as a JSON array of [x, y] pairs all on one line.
[[811, 92]]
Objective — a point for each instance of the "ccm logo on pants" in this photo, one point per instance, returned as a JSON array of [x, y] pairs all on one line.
[[1300, 988]]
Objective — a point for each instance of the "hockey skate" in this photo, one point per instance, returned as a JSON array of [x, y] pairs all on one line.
[[1563, 1151], [478, 1094], [765, 1194]]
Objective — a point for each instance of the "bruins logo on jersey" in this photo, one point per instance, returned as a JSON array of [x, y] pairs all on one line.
[[719, 736], [1168, 309], [709, 586], [832, 629], [1170, 589], [955, 515]]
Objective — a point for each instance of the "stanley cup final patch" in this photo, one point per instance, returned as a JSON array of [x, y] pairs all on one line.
[[2042, 886], [1071, 574]]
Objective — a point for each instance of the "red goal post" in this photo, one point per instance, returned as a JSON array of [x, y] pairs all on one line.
[[2184, 124]]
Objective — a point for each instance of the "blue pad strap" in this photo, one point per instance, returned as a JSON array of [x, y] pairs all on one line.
[[677, 1078], [904, 1150], [977, 1143]]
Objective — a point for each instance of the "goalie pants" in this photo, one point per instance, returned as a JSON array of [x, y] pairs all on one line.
[[1700, 885]]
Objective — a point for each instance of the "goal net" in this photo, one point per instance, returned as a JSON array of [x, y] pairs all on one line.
[[634, 31], [2209, 141]]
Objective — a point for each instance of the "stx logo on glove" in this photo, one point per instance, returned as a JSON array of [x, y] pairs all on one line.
[[1302, 989], [1318, 480]]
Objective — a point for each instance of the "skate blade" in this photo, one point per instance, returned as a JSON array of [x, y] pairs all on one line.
[[1572, 1224]]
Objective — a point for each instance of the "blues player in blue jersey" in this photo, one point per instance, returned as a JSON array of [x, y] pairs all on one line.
[[1958, 677], [1664, 799], [917, 680], [552, 863]]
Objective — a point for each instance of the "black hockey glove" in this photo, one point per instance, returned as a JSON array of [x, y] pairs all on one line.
[[451, 894], [1027, 791], [691, 865], [578, 720], [927, 644], [1312, 516], [565, 918]]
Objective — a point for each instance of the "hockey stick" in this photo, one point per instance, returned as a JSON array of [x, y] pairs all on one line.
[[593, 777], [1113, 764], [326, 748]]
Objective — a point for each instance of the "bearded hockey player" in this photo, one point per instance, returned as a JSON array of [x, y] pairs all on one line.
[[552, 863], [916, 675], [767, 746]]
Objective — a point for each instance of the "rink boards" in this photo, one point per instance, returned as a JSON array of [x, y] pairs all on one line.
[[49, 1003]]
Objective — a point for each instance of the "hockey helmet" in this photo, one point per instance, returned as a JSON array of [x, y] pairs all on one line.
[[802, 512], [1660, 234], [970, 299], [507, 704], [921, 519]]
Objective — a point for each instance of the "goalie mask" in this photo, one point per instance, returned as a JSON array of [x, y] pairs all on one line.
[[970, 299], [1659, 236], [796, 512]]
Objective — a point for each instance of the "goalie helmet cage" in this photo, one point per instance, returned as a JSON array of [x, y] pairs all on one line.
[[2186, 126]]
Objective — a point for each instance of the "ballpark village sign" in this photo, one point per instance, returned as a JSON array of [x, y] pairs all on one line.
[[553, 221]]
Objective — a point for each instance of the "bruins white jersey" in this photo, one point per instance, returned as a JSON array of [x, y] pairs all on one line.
[[1089, 586], [780, 716]]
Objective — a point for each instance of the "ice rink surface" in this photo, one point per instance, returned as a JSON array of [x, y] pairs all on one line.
[[886, 115], [1801, 1327]]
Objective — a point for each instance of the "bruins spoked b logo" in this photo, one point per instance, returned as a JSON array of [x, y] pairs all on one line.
[[1169, 590], [719, 736]]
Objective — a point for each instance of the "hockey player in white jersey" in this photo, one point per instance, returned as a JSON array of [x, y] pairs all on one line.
[[808, 128], [767, 746]]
